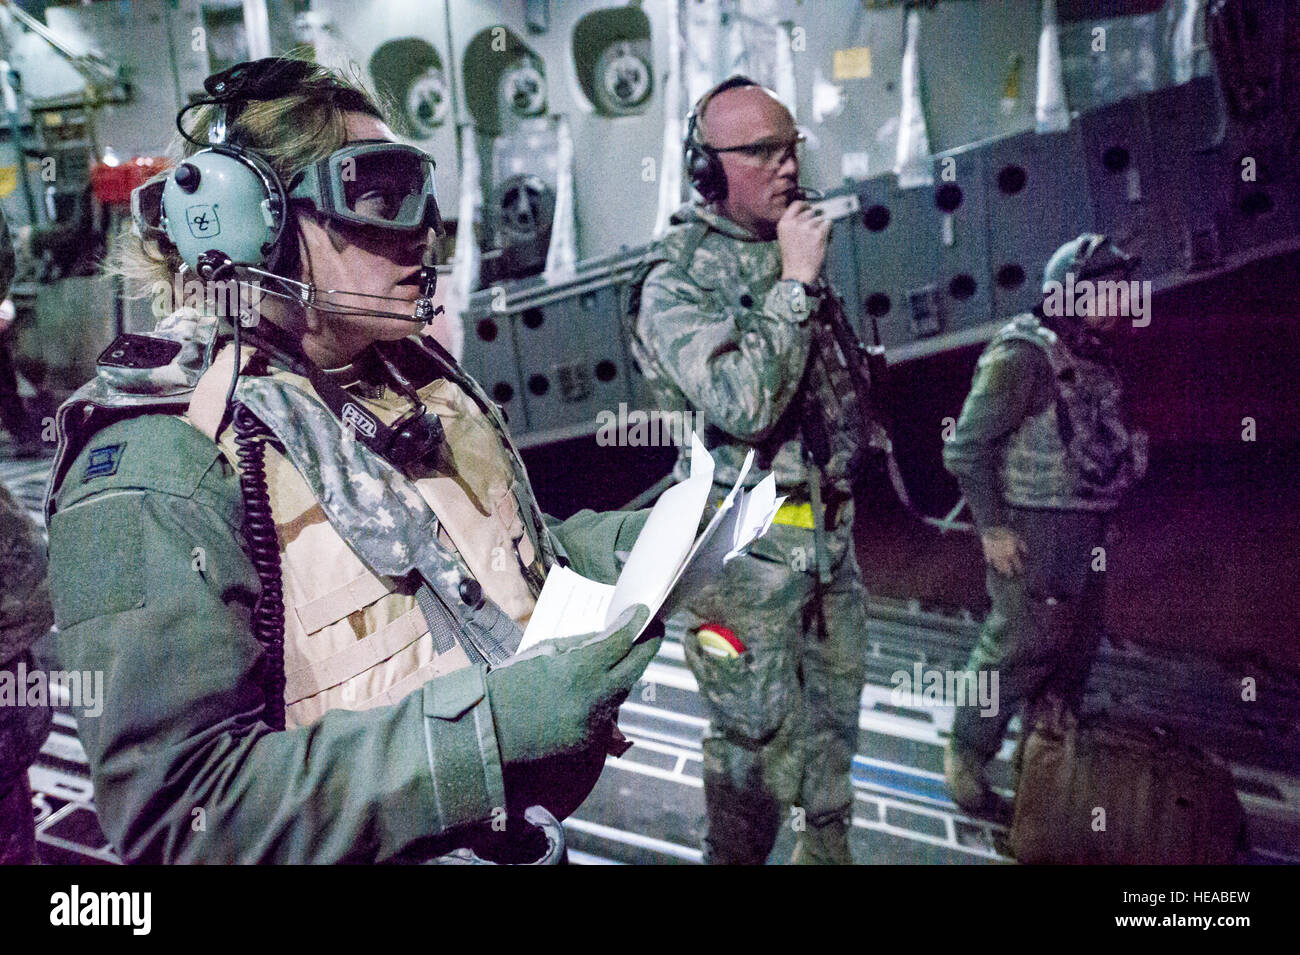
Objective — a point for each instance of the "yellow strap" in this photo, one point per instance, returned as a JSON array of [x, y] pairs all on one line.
[[795, 515]]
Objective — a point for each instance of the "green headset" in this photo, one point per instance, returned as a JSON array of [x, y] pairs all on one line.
[[224, 205]]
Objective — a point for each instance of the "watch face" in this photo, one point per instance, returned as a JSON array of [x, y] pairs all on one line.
[[798, 296]]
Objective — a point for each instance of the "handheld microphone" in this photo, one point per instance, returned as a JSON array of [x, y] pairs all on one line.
[[809, 194]]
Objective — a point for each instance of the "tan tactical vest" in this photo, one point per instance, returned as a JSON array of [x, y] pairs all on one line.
[[351, 640]]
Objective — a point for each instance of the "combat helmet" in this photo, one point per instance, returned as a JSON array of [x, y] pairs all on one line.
[[1088, 256]]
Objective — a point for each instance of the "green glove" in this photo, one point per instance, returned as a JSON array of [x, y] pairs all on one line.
[[561, 698]]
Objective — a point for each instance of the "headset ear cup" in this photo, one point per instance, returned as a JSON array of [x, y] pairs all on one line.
[[715, 177], [693, 156], [233, 203], [697, 167], [705, 172]]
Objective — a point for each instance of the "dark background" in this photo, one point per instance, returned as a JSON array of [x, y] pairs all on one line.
[[1205, 555]]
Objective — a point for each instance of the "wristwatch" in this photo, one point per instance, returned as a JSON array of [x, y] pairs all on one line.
[[802, 296]]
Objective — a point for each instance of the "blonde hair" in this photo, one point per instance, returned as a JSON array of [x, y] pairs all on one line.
[[290, 133]]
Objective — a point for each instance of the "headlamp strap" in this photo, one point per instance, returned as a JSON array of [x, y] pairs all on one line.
[[412, 438], [234, 88]]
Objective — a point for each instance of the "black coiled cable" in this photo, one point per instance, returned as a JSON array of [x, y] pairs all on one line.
[[264, 551]]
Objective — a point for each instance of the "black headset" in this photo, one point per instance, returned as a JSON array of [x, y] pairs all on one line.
[[700, 159]]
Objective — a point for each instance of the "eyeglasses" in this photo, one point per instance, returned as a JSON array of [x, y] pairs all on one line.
[[768, 152]]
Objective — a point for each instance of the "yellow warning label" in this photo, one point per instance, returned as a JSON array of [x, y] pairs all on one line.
[[8, 179], [852, 64]]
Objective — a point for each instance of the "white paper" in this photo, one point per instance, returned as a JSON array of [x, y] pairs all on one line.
[[725, 515], [667, 558], [707, 560], [666, 539], [569, 604], [761, 505]]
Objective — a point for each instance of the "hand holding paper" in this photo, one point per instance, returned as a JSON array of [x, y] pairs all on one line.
[[667, 558]]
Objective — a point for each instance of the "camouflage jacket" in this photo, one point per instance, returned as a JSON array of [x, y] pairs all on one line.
[[25, 613], [718, 332], [1042, 428], [134, 489]]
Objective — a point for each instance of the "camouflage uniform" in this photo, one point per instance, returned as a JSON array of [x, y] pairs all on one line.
[[134, 488], [719, 333], [1040, 448], [25, 616], [13, 416]]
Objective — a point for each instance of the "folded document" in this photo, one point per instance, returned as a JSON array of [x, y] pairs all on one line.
[[668, 563]]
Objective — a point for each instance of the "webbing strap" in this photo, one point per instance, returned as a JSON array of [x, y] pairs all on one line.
[[445, 629], [442, 625], [819, 523], [333, 606], [353, 659]]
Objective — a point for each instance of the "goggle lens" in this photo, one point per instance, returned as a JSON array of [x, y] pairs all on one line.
[[386, 187]]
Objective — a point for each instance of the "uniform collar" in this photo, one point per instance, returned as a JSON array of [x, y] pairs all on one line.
[[715, 220], [360, 376]]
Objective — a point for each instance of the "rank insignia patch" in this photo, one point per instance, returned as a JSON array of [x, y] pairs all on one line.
[[103, 461]]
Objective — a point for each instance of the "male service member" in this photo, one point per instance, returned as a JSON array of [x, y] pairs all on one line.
[[728, 325]]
